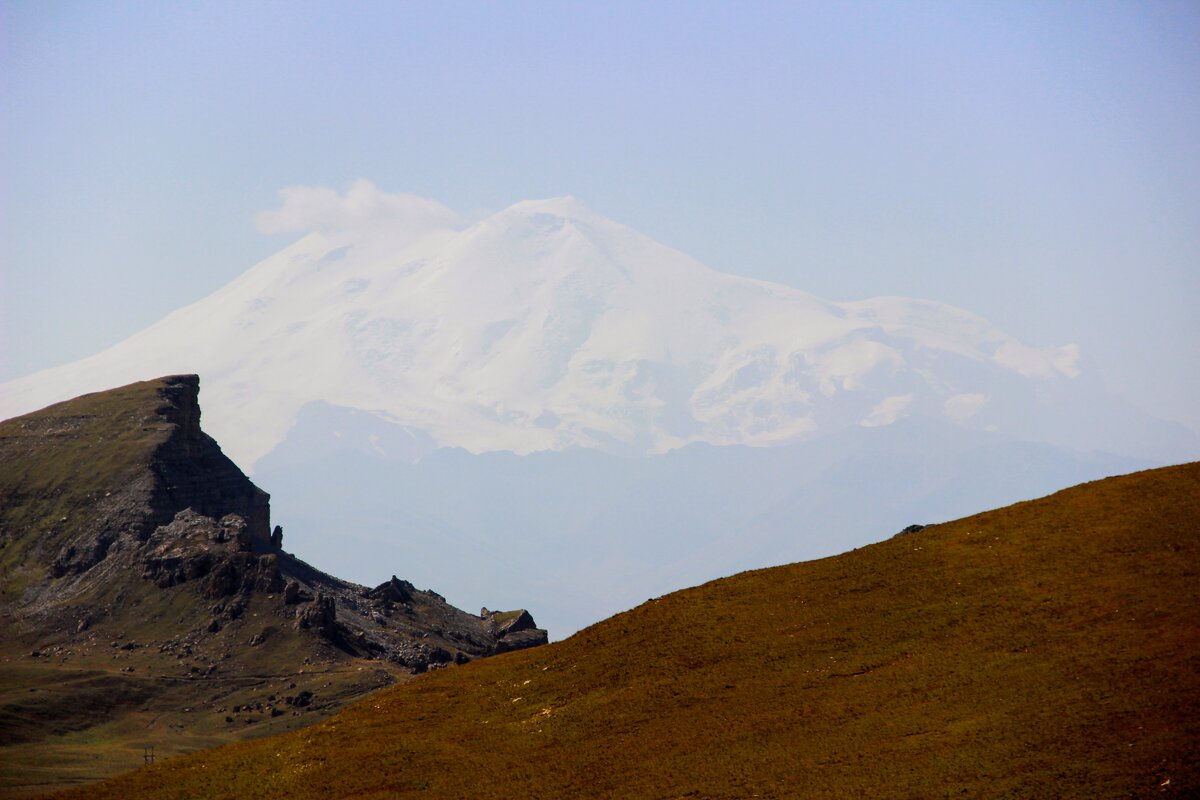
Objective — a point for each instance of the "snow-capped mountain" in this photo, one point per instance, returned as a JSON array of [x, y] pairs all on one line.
[[523, 410], [547, 326]]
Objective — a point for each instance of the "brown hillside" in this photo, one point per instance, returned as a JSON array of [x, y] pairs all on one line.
[[1046, 650]]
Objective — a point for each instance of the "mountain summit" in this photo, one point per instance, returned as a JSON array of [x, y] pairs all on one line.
[[547, 326]]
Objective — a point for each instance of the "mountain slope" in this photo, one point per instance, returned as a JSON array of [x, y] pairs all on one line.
[[1044, 650], [546, 358], [145, 600], [582, 534], [546, 326]]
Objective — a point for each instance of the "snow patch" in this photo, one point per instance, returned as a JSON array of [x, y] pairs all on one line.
[[1034, 362], [887, 410], [962, 407]]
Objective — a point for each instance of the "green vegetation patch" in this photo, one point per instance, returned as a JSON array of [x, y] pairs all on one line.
[[59, 464]]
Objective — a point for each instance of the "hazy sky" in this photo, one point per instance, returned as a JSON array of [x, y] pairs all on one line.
[[1036, 163]]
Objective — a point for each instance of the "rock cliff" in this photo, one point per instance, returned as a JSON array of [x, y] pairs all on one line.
[[132, 548], [100, 492]]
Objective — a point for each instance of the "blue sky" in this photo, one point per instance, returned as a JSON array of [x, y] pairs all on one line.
[[1037, 163]]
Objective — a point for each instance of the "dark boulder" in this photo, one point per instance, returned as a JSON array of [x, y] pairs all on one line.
[[320, 615], [393, 591]]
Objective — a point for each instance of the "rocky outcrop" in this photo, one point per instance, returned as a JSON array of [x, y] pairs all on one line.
[[514, 630], [394, 591], [104, 472], [191, 546], [149, 497], [139, 568], [410, 627], [320, 615], [192, 472]]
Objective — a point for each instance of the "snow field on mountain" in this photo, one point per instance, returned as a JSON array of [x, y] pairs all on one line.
[[546, 326]]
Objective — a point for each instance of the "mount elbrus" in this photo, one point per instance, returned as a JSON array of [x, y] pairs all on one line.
[[547, 326], [548, 399], [146, 600]]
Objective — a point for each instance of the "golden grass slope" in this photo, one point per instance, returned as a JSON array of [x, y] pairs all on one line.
[[1050, 649]]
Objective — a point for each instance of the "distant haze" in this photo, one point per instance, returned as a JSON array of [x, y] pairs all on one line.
[[1035, 164], [566, 305], [548, 327], [547, 408]]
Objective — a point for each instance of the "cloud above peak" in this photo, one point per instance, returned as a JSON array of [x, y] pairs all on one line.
[[363, 206]]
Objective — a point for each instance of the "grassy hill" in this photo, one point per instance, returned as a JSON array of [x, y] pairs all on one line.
[[1049, 649], [145, 602]]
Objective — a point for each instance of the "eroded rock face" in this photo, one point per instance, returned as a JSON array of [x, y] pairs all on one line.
[[125, 514], [320, 615], [192, 472], [394, 591], [122, 465], [190, 546], [139, 569], [154, 508], [514, 630], [292, 593], [243, 572]]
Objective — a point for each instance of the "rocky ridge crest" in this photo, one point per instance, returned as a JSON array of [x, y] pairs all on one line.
[[116, 504]]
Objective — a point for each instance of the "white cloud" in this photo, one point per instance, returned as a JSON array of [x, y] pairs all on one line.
[[1066, 360], [964, 406], [363, 206], [887, 410], [1035, 362]]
